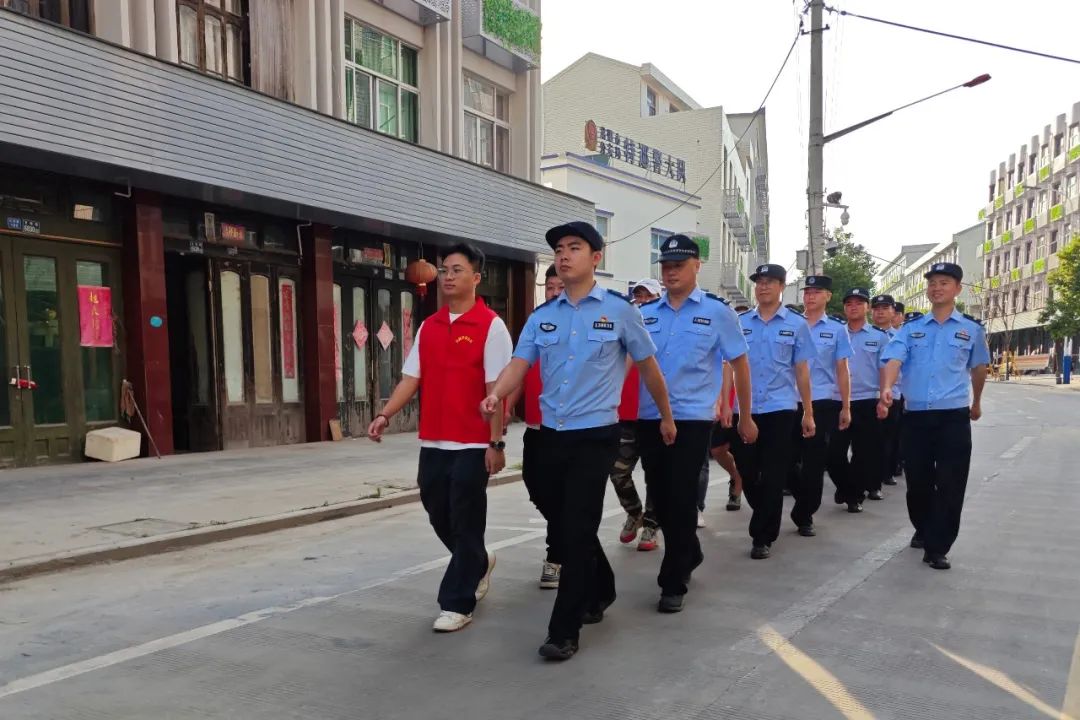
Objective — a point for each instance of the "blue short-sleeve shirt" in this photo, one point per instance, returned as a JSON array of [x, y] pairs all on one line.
[[832, 345], [582, 350], [897, 388], [692, 344], [937, 358], [775, 347], [867, 345]]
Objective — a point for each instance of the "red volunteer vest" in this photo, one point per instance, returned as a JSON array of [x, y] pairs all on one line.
[[452, 378], [534, 385]]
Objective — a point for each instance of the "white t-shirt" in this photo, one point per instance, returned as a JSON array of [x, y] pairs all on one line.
[[498, 349]]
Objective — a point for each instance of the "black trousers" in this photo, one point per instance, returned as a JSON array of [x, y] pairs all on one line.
[[574, 465], [890, 443], [897, 456], [533, 478], [453, 489], [862, 472], [814, 457], [937, 457], [764, 468], [672, 476]]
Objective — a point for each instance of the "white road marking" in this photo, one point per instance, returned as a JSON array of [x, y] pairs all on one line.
[[82, 667], [1018, 448], [1031, 399]]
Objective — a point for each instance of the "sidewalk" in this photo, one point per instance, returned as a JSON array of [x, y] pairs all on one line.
[[63, 515], [1047, 381]]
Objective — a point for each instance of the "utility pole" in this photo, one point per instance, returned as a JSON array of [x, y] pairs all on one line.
[[815, 190]]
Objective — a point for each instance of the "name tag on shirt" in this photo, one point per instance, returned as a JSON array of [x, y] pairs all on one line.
[[962, 335], [603, 325], [702, 321], [828, 336], [787, 333], [746, 331], [651, 320], [918, 335], [871, 343], [548, 327]]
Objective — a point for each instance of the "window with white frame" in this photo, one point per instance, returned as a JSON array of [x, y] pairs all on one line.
[[1039, 295], [1027, 299], [487, 124], [603, 226], [650, 101], [1071, 186], [381, 82], [210, 36], [1040, 247], [656, 239]]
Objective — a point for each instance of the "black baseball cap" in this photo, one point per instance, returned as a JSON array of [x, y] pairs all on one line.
[[770, 271], [899, 307], [912, 315], [678, 247], [882, 300], [861, 293], [580, 229], [820, 282], [945, 268]]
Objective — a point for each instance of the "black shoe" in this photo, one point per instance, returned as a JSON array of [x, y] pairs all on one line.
[[787, 492], [596, 615], [854, 507], [760, 552], [888, 481], [875, 495], [936, 561], [838, 498], [807, 530], [898, 471], [917, 541], [558, 650], [693, 566], [670, 603], [734, 502]]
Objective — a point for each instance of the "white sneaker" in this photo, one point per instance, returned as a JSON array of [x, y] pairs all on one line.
[[549, 578], [485, 582], [701, 519], [451, 621]]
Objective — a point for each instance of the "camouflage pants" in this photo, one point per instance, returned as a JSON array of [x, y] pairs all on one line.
[[622, 476]]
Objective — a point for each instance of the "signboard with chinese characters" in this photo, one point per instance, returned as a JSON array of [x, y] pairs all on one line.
[[288, 332], [618, 147], [231, 233], [95, 316]]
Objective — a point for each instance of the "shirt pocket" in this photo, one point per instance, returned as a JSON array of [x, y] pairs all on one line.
[[826, 348], [602, 345], [959, 352], [549, 346], [920, 349], [695, 342], [783, 348]]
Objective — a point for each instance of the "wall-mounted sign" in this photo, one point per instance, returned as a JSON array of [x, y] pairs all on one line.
[[32, 226], [95, 316], [618, 147], [210, 226], [288, 331], [231, 233]]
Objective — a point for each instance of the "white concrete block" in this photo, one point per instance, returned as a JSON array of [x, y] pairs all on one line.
[[113, 444]]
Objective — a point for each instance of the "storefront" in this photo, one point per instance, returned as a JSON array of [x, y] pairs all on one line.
[[61, 335]]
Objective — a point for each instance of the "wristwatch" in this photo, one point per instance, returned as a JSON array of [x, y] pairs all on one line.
[[497, 445]]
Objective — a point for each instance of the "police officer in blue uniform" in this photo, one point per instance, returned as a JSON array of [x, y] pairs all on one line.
[[780, 350], [896, 458], [694, 333], [855, 477], [831, 392], [582, 339], [944, 359], [882, 308]]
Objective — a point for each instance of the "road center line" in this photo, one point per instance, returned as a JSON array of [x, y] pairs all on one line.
[[101, 662], [1018, 448]]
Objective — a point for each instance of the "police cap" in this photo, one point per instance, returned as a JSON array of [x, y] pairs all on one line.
[[580, 229], [945, 268], [678, 247], [769, 270], [820, 282], [858, 292], [882, 300]]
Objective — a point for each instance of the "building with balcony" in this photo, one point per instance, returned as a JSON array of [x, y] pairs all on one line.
[[218, 200], [1032, 212], [636, 119], [891, 276]]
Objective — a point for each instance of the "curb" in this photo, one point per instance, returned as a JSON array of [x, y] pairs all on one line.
[[208, 534]]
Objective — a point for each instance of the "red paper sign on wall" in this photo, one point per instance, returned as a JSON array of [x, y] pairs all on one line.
[[288, 332], [95, 316]]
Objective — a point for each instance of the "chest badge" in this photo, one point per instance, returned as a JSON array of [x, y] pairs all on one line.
[[962, 336], [702, 321], [603, 324], [826, 335], [918, 335], [746, 331], [787, 333], [651, 320], [871, 343], [548, 327], [463, 338]]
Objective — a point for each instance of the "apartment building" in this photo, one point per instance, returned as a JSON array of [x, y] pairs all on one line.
[[890, 278], [1033, 211], [223, 201], [636, 120], [961, 248]]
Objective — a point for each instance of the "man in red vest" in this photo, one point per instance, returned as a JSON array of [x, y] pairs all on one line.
[[530, 389], [458, 354]]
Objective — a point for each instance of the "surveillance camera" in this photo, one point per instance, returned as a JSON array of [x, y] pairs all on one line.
[[844, 218], [834, 197]]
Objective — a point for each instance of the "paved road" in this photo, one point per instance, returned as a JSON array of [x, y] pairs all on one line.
[[333, 621]]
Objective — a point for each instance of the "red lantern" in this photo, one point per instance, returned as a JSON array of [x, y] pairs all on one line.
[[420, 273]]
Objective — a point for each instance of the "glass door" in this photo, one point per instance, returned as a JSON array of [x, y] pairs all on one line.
[[354, 342], [59, 305]]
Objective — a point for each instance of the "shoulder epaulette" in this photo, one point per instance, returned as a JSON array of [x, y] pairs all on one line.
[[883, 332], [972, 319], [744, 312], [796, 312], [619, 295], [839, 319], [648, 302], [545, 303], [913, 319], [717, 297]]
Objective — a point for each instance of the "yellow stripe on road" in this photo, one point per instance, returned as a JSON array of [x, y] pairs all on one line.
[[1007, 684], [827, 684]]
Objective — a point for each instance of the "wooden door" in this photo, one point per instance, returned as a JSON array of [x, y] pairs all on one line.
[[394, 318], [352, 303]]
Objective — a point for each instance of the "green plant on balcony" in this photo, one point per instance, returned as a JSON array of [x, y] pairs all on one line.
[[703, 245], [982, 213], [1044, 172], [1038, 266], [1006, 237], [514, 25], [1018, 190], [988, 246], [1074, 153], [999, 202], [1057, 212], [1029, 225]]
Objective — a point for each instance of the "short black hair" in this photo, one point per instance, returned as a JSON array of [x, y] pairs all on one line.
[[550, 273], [473, 254]]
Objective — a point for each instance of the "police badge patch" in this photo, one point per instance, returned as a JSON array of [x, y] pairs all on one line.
[[548, 327]]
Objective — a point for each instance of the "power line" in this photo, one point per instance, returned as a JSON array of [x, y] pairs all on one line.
[[953, 36], [749, 125]]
